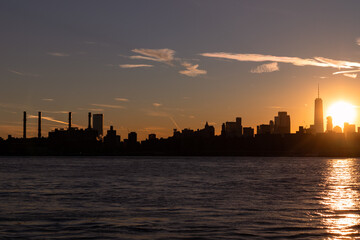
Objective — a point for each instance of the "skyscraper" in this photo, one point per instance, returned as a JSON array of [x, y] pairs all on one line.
[[282, 123], [98, 123], [319, 118]]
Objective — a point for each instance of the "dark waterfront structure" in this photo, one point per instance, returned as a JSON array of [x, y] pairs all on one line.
[[39, 125], [89, 120], [24, 125]]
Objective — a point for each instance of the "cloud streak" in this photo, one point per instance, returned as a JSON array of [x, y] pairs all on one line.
[[157, 104], [135, 65], [23, 74], [350, 71], [192, 70], [350, 75], [121, 99], [108, 106], [264, 68], [316, 61], [58, 54]]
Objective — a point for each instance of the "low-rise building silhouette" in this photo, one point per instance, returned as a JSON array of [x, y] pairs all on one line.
[[232, 129], [248, 132]]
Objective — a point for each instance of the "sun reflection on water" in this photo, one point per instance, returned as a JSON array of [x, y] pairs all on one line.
[[342, 217]]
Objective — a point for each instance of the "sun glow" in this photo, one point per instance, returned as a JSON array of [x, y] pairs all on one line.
[[342, 112]]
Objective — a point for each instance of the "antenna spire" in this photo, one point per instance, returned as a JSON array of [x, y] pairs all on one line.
[[318, 91]]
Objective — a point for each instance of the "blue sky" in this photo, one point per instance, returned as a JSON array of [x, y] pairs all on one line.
[[151, 66]]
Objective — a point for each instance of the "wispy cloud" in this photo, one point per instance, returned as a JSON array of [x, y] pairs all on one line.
[[269, 67], [134, 65], [159, 55], [358, 41], [121, 99], [157, 104], [316, 61], [60, 112], [192, 70], [349, 71], [23, 74], [48, 99], [108, 106], [58, 54], [350, 75], [163, 114]]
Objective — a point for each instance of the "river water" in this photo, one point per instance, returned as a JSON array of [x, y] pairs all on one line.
[[179, 198]]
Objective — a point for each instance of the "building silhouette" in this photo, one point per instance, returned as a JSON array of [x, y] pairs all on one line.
[[282, 123], [98, 122], [111, 138], [263, 129], [152, 137], [232, 129], [266, 128], [337, 129], [132, 137], [349, 128], [248, 132], [329, 124], [318, 115]]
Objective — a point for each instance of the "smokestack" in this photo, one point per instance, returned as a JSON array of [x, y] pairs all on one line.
[[39, 125], [24, 128], [89, 116], [69, 120]]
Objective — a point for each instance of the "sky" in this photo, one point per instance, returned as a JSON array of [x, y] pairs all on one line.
[[152, 66]]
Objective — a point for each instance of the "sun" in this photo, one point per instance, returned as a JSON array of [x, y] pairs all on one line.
[[342, 112]]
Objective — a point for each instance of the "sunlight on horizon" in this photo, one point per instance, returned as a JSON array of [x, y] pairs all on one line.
[[342, 112]]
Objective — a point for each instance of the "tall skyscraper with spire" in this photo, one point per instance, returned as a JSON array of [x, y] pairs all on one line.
[[319, 116]]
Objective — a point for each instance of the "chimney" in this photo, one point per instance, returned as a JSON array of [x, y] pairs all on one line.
[[24, 128], [39, 125], [89, 116], [69, 120]]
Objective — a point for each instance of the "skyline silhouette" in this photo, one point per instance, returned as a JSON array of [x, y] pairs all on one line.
[[273, 139], [280, 125]]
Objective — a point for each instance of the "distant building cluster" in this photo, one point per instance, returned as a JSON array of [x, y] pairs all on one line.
[[280, 125], [234, 138]]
